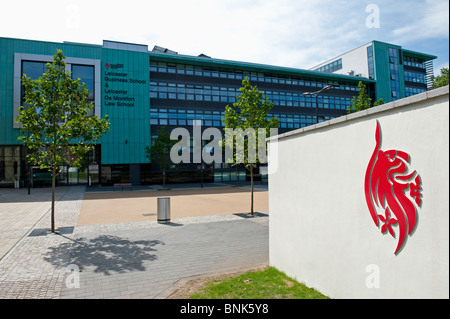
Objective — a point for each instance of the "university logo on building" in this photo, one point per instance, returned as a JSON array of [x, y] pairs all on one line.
[[393, 195]]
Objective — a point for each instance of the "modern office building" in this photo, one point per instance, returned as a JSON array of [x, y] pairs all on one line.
[[398, 72], [142, 90]]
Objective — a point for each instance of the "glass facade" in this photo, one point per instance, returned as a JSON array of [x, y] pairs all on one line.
[[394, 62], [370, 62], [282, 91], [331, 67], [190, 92], [183, 94], [415, 74]]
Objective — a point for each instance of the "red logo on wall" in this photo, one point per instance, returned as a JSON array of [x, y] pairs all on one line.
[[392, 194]]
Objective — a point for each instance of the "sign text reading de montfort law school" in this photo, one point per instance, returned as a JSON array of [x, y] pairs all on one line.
[[118, 96]]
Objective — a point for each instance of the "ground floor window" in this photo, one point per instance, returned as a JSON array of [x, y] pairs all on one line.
[[16, 171], [10, 165]]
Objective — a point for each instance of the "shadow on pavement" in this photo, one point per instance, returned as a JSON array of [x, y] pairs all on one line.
[[106, 253]]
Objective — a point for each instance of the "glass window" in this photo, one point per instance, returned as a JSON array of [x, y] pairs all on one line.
[[162, 69], [171, 69], [189, 70], [153, 67], [32, 69], [86, 75]]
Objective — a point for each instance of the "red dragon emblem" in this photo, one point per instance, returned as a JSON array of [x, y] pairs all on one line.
[[389, 188]]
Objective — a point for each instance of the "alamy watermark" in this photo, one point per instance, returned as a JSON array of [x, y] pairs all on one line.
[[373, 19], [373, 279], [239, 146], [73, 16], [73, 279]]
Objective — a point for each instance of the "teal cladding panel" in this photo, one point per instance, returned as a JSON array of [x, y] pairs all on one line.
[[128, 108], [382, 72], [8, 134], [125, 99]]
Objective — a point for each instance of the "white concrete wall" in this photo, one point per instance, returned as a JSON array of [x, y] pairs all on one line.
[[321, 231], [355, 60]]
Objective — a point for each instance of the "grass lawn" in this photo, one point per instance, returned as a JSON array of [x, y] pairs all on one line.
[[269, 283]]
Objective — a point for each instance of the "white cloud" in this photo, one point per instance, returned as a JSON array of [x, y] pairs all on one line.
[[289, 33], [431, 22]]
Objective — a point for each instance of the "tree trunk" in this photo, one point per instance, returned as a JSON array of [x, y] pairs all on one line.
[[251, 181], [53, 200], [164, 179]]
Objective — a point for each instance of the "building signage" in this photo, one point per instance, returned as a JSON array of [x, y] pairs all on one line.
[[113, 77], [393, 194]]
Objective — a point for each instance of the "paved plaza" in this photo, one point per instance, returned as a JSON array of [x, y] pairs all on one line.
[[129, 255]]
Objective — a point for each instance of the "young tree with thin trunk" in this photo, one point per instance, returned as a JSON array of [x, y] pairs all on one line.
[[159, 151], [248, 117], [55, 124]]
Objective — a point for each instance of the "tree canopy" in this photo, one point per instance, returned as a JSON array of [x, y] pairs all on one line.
[[362, 101], [55, 125], [440, 80]]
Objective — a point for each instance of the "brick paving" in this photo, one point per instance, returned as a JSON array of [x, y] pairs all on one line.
[[122, 260]]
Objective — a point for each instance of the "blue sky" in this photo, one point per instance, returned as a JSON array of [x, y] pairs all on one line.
[[288, 33]]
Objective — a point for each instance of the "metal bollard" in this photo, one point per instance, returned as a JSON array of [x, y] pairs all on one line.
[[163, 209]]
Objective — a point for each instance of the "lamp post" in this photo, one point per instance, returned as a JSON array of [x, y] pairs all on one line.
[[316, 94]]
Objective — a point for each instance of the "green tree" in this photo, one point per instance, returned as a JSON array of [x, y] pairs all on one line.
[[378, 102], [440, 80], [159, 151], [249, 112], [55, 125], [362, 101]]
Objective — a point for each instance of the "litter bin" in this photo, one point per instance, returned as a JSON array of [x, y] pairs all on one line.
[[163, 209]]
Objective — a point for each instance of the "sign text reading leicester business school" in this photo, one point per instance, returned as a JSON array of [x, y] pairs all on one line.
[[118, 97]]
